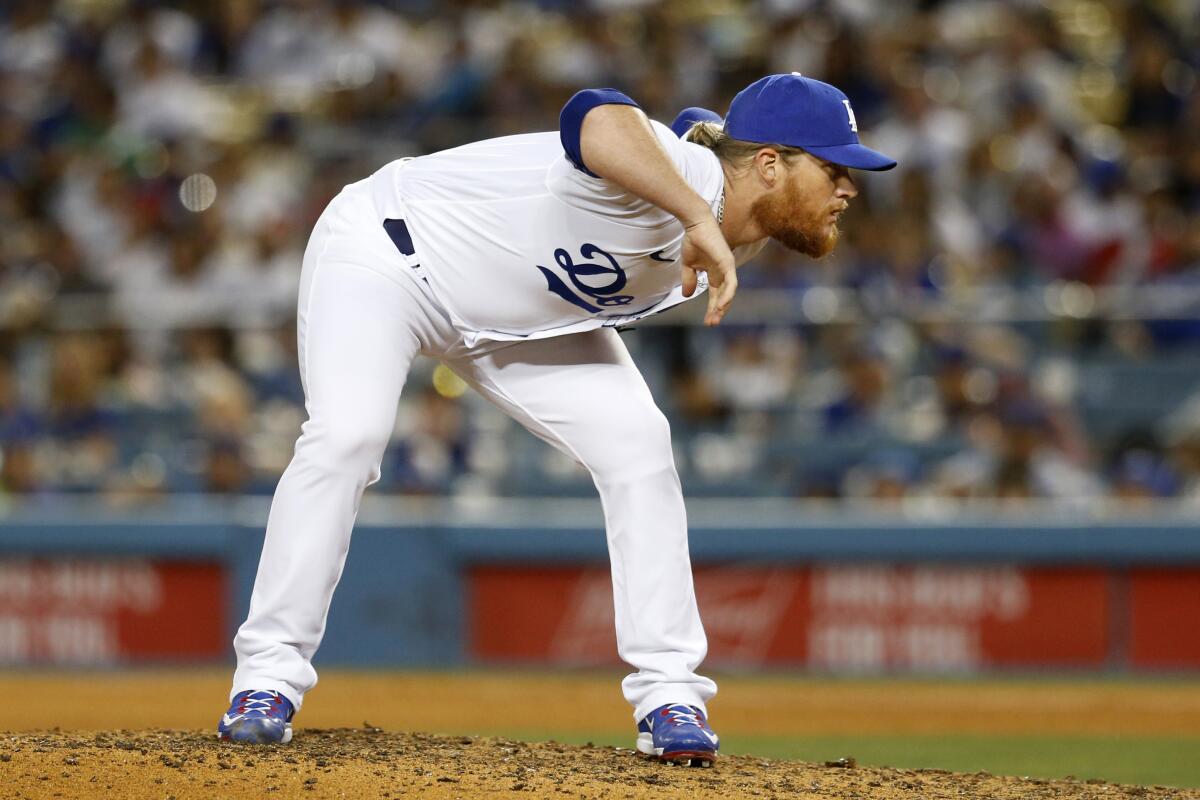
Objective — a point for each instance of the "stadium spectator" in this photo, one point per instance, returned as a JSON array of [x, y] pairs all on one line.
[[161, 163]]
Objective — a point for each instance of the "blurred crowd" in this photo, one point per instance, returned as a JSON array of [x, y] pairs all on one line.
[[1011, 312]]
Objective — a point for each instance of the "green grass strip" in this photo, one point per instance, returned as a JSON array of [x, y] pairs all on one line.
[[1142, 760]]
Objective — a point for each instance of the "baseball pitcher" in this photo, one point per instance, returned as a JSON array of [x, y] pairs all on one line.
[[513, 261]]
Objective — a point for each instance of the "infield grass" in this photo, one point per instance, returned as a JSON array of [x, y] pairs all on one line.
[[1147, 761]]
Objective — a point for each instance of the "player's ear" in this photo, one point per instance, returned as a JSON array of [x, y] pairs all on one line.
[[768, 166]]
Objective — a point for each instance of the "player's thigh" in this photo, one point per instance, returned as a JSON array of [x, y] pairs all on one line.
[[582, 393], [356, 342]]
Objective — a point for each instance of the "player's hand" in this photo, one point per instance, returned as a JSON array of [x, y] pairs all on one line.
[[705, 250]]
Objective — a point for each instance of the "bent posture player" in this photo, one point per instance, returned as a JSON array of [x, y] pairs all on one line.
[[512, 260]]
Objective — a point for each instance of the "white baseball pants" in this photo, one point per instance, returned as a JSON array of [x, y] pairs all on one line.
[[361, 321]]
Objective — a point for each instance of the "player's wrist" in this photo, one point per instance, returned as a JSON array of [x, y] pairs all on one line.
[[696, 215]]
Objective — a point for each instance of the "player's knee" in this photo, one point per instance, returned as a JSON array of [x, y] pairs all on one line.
[[352, 444], [632, 443]]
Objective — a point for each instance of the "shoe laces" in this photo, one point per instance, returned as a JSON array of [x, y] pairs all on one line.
[[683, 715], [261, 703]]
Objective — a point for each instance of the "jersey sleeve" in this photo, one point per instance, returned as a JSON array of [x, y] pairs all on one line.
[[580, 188], [570, 120]]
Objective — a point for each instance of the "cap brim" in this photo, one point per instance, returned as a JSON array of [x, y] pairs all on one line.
[[855, 156]]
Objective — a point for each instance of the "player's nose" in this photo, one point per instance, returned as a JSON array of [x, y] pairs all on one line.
[[845, 187]]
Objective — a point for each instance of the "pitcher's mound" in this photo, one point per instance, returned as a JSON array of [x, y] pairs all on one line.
[[371, 763]]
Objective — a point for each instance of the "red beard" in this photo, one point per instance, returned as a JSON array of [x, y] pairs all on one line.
[[792, 222]]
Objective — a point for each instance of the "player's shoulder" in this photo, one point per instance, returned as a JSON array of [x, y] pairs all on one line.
[[682, 148], [699, 165]]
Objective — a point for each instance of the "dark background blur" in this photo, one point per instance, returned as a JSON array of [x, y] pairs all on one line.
[[1012, 313]]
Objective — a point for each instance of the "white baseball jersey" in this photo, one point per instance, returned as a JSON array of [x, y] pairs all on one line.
[[518, 243]]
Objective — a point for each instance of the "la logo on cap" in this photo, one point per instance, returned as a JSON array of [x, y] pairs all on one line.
[[793, 111]]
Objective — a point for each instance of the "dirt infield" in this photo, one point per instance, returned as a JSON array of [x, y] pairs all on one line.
[[369, 763], [148, 734], [488, 702]]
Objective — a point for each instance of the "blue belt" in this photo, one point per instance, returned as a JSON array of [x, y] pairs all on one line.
[[400, 236]]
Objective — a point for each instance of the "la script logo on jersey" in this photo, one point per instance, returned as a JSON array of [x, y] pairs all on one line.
[[602, 284]]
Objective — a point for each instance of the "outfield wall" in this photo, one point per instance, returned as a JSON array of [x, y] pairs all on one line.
[[779, 585]]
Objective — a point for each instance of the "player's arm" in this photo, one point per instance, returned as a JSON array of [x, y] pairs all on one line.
[[606, 135]]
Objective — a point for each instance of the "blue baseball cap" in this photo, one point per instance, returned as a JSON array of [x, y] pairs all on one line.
[[690, 116], [792, 110]]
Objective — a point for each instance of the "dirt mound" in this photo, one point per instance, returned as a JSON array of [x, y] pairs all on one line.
[[371, 763]]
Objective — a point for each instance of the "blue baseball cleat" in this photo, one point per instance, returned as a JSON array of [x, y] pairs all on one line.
[[258, 717], [678, 734]]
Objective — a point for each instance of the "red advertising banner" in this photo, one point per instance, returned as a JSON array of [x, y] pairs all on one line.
[[1164, 606], [956, 618], [110, 611], [843, 617]]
